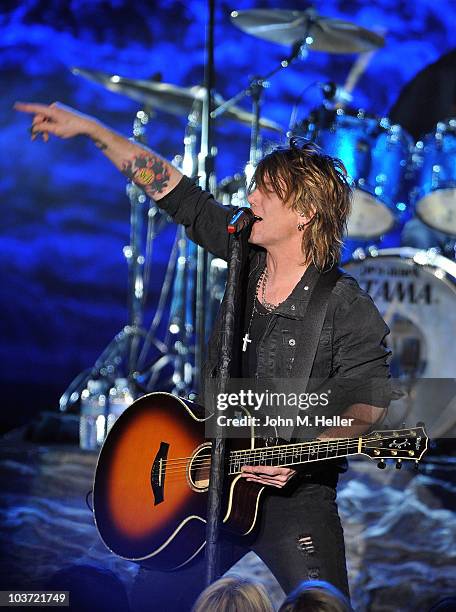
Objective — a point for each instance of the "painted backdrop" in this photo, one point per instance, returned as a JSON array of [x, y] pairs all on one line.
[[64, 214]]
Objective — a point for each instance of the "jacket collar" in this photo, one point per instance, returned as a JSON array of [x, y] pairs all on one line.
[[295, 306]]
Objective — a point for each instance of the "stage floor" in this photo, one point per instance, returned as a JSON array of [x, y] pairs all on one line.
[[400, 526]]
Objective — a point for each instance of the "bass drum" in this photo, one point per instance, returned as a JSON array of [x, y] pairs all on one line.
[[415, 292]]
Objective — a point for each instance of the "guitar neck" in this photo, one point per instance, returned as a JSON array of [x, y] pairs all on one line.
[[294, 454]]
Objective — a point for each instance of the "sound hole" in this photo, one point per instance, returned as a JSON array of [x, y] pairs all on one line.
[[199, 468]]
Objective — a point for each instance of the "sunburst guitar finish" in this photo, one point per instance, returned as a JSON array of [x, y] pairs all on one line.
[[152, 477]]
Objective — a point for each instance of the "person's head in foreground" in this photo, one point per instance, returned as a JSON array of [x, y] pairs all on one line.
[[233, 594], [316, 596]]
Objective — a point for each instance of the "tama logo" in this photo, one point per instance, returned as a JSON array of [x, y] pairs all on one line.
[[399, 291]]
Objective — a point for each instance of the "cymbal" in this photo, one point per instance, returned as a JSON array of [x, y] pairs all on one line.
[[288, 27], [167, 97]]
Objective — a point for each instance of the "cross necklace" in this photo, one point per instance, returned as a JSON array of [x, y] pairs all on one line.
[[260, 290]]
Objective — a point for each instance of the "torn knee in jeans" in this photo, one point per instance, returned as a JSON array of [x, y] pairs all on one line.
[[305, 544]]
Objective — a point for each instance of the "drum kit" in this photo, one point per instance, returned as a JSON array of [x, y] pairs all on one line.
[[393, 179]]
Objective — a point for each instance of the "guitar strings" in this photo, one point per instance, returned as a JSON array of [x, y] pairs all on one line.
[[183, 474], [268, 454], [322, 445], [176, 473], [265, 456], [272, 452]]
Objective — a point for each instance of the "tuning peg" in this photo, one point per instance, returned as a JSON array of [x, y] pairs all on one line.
[[398, 464], [381, 464], [417, 465]]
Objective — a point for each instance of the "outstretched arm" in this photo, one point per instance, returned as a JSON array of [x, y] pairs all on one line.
[[154, 174]]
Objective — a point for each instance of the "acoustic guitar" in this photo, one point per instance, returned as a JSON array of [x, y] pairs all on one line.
[[152, 477]]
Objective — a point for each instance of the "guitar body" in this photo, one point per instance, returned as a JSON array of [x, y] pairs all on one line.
[[151, 483], [152, 477]]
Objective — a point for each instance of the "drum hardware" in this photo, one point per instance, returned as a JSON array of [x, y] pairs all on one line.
[[177, 348], [122, 353], [293, 121], [181, 283], [232, 190], [194, 103], [287, 27], [434, 196], [356, 71], [304, 31], [258, 83], [335, 96], [375, 154], [255, 90], [181, 325], [183, 353]]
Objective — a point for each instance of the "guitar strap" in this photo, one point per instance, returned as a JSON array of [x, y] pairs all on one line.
[[309, 334]]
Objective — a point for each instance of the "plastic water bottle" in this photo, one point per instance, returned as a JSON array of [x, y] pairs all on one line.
[[120, 397], [92, 420]]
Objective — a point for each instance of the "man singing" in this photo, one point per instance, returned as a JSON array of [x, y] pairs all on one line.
[[301, 199]]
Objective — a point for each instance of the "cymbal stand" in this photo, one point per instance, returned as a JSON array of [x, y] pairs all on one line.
[[179, 342], [206, 174], [186, 366], [255, 91], [121, 354], [138, 264]]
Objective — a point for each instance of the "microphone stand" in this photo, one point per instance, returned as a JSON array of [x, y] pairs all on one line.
[[234, 267], [206, 180], [205, 167], [218, 442]]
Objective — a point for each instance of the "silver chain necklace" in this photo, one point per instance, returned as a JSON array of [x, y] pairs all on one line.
[[268, 306], [264, 281]]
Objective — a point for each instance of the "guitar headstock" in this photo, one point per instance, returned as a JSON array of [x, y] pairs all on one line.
[[399, 444]]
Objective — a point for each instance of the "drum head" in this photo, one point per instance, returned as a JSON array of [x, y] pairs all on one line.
[[415, 292], [369, 218], [438, 210], [375, 156]]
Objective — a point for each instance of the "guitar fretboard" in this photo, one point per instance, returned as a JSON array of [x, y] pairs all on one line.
[[294, 454]]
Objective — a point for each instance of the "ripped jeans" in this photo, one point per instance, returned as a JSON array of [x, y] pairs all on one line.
[[299, 537]]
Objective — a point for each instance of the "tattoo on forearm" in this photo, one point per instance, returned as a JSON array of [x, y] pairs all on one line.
[[100, 144], [148, 171]]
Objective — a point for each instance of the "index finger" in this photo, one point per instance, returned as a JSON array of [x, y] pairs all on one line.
[[26, 107]]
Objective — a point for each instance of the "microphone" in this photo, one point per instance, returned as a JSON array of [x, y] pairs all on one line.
[[241, 219]]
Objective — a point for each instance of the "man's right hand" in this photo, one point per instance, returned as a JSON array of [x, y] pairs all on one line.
[[154, 174], [57, 119]]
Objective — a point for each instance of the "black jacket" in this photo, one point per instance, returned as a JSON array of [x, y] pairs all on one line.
[[352, 341]]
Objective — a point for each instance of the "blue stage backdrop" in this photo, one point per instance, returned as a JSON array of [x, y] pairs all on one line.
[[64, 210]]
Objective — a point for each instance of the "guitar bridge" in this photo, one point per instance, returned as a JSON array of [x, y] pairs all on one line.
[[157, 473]]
